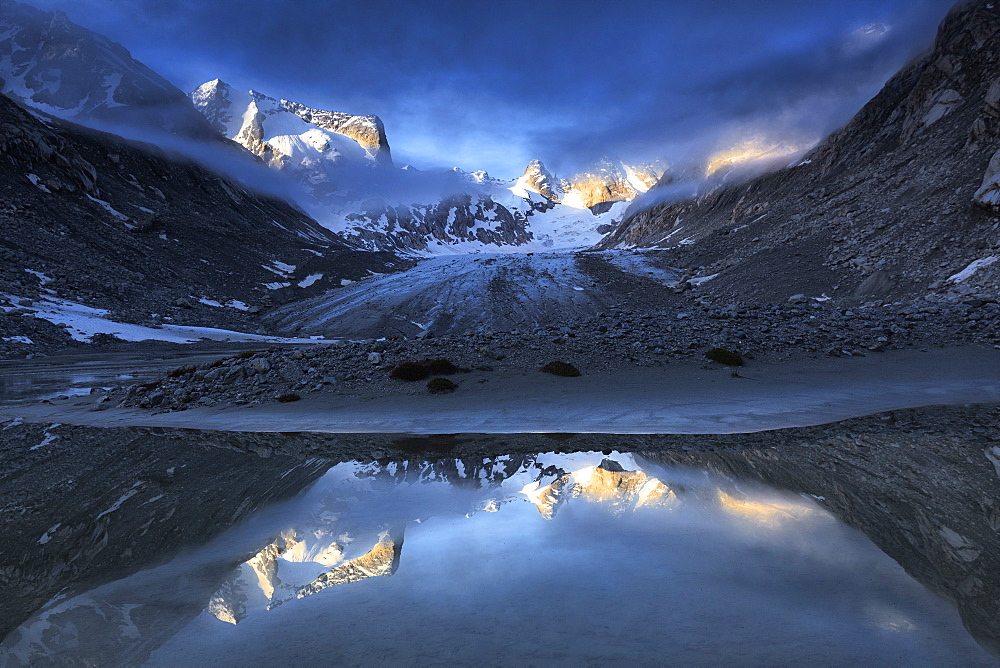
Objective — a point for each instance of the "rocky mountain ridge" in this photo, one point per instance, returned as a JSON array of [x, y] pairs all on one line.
[[899, 203], [56, 66], [342, 160], [92, 220], [361, 196], [249, 119], [607, 181]]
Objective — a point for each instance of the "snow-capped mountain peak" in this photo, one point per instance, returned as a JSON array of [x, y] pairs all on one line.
[[607, 181], [539, 180], [408, 210], [235, 114]]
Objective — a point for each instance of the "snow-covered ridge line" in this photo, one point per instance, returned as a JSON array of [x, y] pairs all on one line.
[[344, 165]]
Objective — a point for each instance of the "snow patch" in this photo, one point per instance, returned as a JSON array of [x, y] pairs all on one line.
[[47, 536], [37, 182], [49, 438], [309, 280], [82, 322], [992, 454], [110, 209], [42, 278], [122, 499], [701, 279], [972, 269]]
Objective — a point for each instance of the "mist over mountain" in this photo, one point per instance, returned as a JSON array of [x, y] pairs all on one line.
[[492, 88], [56, 66], [335, 167], [463, 320]]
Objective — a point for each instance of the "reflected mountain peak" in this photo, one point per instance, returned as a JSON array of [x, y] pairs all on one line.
[[472, 524], [608, 484]]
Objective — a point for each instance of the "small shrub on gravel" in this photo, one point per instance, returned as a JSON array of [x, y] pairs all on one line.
[[288, 396], [723, 356], [561, 369], [409, 371], [440, 386], [442, 367]]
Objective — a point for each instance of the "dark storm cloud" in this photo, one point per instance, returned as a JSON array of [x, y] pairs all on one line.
[[494, 84]]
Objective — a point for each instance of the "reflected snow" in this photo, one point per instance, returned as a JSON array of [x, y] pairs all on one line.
[[554, 558]]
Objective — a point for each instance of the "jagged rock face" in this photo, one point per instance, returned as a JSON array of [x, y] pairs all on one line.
[[117, 225], [607, 484], [262, 584], [540, 180], [366, 130], [898, 203], [455, 219], [288, 134], [52, 64], [608, 181], [611, 181]]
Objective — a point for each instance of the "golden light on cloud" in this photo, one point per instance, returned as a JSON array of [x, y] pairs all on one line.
[[766, 513], [752, 150]]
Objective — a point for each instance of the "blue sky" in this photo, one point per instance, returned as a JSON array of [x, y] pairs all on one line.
[[491, 85]]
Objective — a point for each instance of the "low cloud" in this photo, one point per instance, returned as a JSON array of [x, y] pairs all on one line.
[[491, 86]]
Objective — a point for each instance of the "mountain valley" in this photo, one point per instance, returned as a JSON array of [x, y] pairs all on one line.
[[270, 393]]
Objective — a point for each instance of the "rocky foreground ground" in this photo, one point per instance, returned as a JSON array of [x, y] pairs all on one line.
[[613, 341]]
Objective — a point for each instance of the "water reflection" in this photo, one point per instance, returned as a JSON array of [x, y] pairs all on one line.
[[554, 558]]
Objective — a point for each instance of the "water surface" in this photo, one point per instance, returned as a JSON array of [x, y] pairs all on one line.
[[551, 558]]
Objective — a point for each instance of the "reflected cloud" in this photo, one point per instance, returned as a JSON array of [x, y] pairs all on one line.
[[769, 513], [480, 561]]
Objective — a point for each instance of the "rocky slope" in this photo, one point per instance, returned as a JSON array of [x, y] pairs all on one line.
[[54, 65], [92, 219], [901, 202]]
